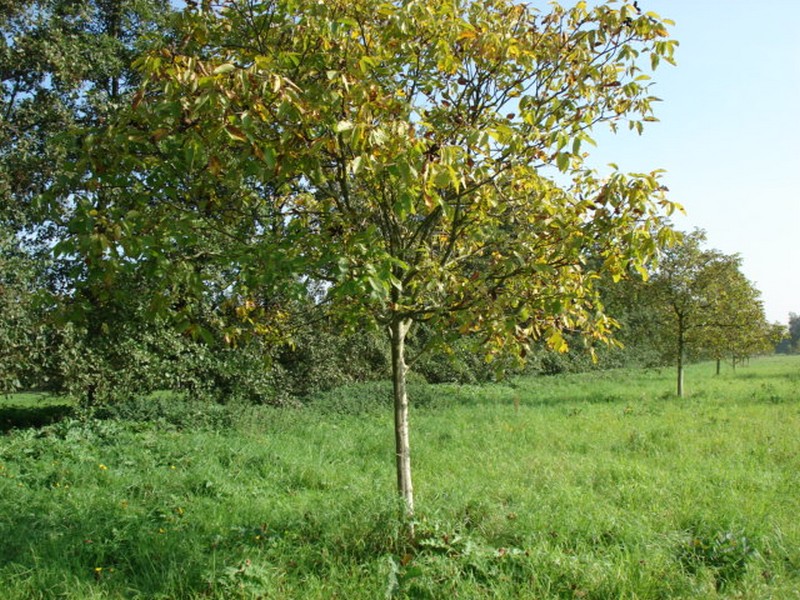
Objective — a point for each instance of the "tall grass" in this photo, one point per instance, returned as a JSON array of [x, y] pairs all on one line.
[[599, 485]]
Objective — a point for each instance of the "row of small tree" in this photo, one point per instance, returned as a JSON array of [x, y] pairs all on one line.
[[696, 304]]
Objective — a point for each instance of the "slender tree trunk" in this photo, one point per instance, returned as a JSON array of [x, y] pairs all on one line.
[[398, 330], [718, 361], [681, 351], [113, 29]]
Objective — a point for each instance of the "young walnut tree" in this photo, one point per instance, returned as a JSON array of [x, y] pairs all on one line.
[[425, 159]]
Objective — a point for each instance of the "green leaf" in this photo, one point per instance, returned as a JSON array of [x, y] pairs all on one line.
[[443, 177]]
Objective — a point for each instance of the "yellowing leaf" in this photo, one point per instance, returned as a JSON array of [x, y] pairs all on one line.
[[556, 341], [343, 126], [467, 34], [224, 68], [235, 133], [214, 165]]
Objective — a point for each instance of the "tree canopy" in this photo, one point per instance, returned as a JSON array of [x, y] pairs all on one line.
[[421, 162]]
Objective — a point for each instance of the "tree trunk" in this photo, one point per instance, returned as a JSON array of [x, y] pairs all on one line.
[[113, 29], [398, 330], [718, 361], [681, 351]]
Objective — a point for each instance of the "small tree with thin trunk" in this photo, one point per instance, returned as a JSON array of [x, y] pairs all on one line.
[[707, 306], [425, 160]]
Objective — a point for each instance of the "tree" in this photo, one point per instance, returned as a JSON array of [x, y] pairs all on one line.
[[65, 65], [62, 63], [777, 334], [793, 334], [707, 305], [633, 304], [739, 326], [423, 161]]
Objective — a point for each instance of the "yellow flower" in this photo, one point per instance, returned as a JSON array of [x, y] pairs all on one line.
[[103, 467]]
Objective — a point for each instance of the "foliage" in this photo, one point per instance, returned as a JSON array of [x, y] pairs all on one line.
[[425, 162], [726, 552], [169, 411], [792, 340], [22, 344], [62, 63], [138, 358], [325, 354], [705, 306], [642, 333], [460, 360]]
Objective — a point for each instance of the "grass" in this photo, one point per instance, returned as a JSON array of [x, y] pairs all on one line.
[[600, 485]]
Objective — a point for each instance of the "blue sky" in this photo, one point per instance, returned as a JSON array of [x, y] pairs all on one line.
[[728, 135]]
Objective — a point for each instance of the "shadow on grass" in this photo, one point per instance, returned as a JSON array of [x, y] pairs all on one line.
[[24, 417]]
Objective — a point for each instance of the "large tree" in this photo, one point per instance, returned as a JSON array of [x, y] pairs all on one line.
[[65, 66], [62, 63], [423, 161]]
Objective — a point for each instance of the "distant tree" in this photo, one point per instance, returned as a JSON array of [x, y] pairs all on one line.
[[707, 307], [778, 335], [793, 333], [403, 153]]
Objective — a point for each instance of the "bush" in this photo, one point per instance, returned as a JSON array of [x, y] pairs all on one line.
[[377, 396], [170, 410], [322, 358], [138, 358]]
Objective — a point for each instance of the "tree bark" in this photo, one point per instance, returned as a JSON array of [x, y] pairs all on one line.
[[398, 330], [681, 351]]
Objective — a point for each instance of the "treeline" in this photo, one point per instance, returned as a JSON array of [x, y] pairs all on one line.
[[695, 306], [790, 344], [153, 250]]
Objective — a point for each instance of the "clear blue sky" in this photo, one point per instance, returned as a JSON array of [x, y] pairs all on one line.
[[728, 135]]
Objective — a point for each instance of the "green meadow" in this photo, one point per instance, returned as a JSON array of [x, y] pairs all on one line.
[[596, 486]]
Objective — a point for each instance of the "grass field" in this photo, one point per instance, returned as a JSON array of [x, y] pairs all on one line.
[[599, 485]]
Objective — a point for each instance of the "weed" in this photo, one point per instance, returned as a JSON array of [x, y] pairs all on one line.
[[727, 553]]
